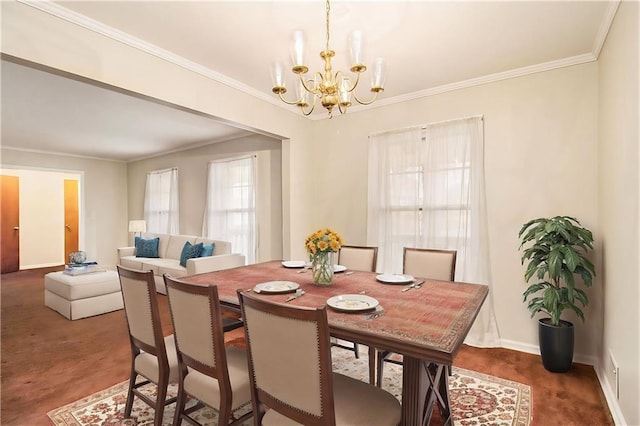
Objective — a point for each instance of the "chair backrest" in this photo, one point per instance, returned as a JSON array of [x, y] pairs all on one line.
[[197, 327], [289, 360], [143, 315], [359, 258], [432, 264]]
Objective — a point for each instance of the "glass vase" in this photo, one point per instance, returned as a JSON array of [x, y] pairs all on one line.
[[322, 268]]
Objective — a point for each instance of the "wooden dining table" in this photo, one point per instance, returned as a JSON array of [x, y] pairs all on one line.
[[426, 325]]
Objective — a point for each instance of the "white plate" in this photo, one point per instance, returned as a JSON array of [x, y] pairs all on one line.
[[352, 302], [276, 287], [339, 268], [294, 263], [394, 278]]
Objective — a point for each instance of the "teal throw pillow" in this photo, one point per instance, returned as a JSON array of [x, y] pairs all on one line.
[[147, 248], [189, 251], [207, 250]]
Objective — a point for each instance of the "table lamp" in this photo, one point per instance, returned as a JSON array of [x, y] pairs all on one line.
[[138, 226]]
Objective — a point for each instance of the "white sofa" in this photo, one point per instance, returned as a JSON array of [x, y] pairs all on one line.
[[169, 251]]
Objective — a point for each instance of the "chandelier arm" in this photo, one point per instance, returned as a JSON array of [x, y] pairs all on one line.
[[355, 83], [310, 89], [313, 105], [375, 95], [288, 102]]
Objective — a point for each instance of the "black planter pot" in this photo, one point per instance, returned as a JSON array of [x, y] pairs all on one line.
[[556, 345]]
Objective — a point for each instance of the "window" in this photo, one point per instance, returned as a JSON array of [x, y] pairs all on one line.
[[426, 190], [161, 202], [231, 198]]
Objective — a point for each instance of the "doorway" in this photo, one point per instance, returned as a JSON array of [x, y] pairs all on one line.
[[46, 203]]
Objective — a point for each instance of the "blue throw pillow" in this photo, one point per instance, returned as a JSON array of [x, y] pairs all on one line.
[[207, 249], [189, 251], [147, 248]]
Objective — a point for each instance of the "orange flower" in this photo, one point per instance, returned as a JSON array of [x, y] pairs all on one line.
[[323, 240]]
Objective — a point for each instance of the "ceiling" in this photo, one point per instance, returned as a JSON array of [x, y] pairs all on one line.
[[429, 47]]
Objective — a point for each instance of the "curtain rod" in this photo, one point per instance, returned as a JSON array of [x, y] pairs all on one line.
[[424, 126]]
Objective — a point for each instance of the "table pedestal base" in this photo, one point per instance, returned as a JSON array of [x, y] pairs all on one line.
[[423, 384]]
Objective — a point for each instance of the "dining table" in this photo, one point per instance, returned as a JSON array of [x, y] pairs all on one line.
[[426, 324]]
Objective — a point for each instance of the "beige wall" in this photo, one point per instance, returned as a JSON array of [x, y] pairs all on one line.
[[192, 184], [540, 159], [103, 201], [619, 186]]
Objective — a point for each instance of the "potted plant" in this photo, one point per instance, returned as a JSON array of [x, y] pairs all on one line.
[[555, 249]]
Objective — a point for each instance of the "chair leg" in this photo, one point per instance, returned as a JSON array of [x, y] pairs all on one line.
[[180, 403], [372, 365], [160, 401], [356, 350], [129, 405], [380, 356]]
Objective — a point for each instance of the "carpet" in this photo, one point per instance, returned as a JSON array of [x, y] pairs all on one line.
[[476, 399]]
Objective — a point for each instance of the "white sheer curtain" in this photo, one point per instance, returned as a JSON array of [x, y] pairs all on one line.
[[161, 202], [231, 199], [426, 189]]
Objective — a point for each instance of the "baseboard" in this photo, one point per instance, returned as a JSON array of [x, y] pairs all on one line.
[[44, 265], [535, 350], [610, 396]]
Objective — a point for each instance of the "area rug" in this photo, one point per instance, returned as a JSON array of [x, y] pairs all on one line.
[[476, 399]]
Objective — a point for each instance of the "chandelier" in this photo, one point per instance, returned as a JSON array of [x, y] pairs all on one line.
[[331, 89]]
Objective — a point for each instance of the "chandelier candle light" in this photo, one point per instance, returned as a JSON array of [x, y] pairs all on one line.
[[321, 245], [332, 89]]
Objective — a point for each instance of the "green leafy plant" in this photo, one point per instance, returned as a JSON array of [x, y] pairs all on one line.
[[556, 253]]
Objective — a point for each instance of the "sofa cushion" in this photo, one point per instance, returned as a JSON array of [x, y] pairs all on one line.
[[220, 247], [160, 266], [207, 249], [189, 251], [147, 248], [176, 244], [132, 262], [172, 268]]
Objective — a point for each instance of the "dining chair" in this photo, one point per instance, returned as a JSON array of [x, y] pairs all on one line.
[[434, 264], [358, 258], [211, 373], [292, 382], [153, 356]]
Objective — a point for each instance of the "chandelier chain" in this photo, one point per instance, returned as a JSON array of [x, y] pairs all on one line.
[[328, 9]]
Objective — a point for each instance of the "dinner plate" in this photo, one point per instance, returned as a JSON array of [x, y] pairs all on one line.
[[394, 278], [276, 287], [339, 268], [352, 302], [294, 263]]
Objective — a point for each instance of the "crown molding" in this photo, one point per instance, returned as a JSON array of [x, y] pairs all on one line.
[[68, 15], [122, 37], [605, 26]]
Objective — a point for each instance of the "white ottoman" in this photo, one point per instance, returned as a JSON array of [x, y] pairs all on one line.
[[82, 296]]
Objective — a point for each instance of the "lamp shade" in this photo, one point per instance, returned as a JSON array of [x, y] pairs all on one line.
[[137, 226]]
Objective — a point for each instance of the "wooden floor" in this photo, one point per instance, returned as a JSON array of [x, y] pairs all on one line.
[[49, 361]]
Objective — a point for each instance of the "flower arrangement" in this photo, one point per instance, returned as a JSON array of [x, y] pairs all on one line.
[[323, 241]]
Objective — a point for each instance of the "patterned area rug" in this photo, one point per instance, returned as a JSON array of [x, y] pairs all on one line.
[[476, 399]]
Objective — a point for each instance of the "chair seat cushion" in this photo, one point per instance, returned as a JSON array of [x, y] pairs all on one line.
[[356, 403], [147, 364], [206, 389]]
